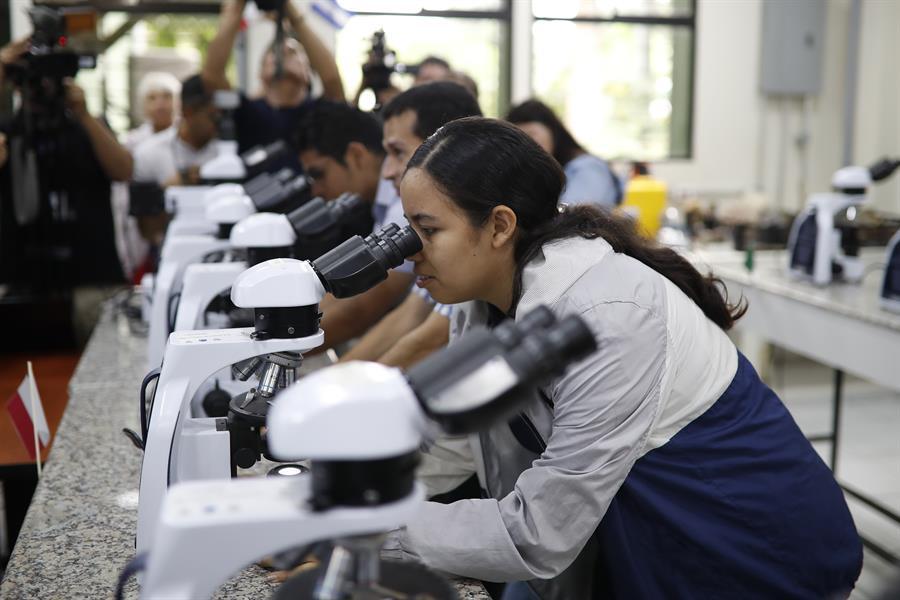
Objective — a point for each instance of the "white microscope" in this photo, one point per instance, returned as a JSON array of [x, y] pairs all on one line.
[[305, 233], [284, 295], [820, 247], [177, 253], [196, 210], [282, 191], [361, 425]]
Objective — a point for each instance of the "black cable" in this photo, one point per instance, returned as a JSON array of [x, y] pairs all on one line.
[[145, 418], [136, 564], [171, 314], [133, 438]]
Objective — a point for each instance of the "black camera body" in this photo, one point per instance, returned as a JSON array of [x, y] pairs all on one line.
[[269, 5], [40, 72], [382, 64]]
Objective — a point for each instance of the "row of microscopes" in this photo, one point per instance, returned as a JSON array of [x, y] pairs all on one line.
[[263, 254], [823, 245]]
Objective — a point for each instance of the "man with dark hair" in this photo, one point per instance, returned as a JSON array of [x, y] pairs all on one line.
[[340, 148], [419, 326], [421, 110]]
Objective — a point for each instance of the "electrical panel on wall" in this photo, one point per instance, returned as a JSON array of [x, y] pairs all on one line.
[[793, 42]]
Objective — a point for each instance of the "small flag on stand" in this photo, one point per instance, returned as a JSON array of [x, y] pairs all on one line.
[[27, 414]]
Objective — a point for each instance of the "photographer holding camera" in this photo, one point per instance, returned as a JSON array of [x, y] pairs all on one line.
[[286, 91], [56, 214]]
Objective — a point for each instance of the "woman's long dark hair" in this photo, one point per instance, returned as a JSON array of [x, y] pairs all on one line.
[[482, 163], [565, 147]]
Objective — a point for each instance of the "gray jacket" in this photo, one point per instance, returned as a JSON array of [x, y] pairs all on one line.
[[660, 364]]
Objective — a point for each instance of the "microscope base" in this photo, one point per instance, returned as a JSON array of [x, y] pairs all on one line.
[[267, 515]]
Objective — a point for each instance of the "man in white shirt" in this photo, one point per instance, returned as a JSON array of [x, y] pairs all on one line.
[[174, 156]]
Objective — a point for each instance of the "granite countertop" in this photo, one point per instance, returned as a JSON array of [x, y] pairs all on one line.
[[859, 301], [79, 531]]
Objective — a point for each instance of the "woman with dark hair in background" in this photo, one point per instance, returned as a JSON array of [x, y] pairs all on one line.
[[589, 180], [659, 467]]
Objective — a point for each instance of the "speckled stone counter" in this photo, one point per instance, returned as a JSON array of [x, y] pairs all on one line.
[[79, 531]]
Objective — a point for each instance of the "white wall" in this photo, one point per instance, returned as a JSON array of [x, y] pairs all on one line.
[[20, 26], [878, 99], [746, 141]]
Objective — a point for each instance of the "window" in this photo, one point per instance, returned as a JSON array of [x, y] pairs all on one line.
[[472, 35], [619, 73]]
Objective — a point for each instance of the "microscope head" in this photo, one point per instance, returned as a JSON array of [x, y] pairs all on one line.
[[353, 411], [284, 193], [856, 181], [482, 377], [258, 158], [284, 294], [226, 212], [851, 181], [265, 236], [223, 190], [226, 167], [321, 225]]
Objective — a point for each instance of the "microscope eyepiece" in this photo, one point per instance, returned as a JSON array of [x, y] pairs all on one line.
[[359, 264], [884, 168], [482, 377], [392, 245]]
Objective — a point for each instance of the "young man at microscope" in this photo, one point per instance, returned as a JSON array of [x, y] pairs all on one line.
[[284, 99], [340, 160], [419, 326]]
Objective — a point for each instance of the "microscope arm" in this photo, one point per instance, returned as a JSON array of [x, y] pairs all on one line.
[[202, 283]]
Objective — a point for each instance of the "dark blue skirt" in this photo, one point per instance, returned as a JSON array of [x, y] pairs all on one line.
[[736, 505]]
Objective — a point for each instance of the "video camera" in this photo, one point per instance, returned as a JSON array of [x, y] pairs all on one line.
[[382, 63], [40, 72]]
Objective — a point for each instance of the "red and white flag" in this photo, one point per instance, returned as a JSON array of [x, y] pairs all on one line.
[[25, 418]]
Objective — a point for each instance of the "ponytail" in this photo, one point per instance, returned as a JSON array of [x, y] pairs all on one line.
[[707, 292]]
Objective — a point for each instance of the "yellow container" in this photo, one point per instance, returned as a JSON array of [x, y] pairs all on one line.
[[646, 197]]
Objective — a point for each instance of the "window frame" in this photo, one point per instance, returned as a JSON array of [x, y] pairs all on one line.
[[683, 21], [503, 15]]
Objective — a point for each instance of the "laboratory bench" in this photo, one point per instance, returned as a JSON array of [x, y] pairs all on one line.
[[79, 530]]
